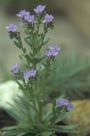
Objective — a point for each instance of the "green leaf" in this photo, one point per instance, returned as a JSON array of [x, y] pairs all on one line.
[[68, 127], [54, 107], [46, 133], [40, 59], [62, 116], [28, 58], [47, 116], [9, 128], [45, 41], [23, 60], [20, 85], [48, 91], [17, 44], [58, 130], [28, 41]]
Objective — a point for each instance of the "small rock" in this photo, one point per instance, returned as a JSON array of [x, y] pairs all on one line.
[[81, 115], [9, 91]]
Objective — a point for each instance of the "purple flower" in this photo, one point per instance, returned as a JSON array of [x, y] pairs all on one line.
[[70, 107], [22, 13], [22, 23], [11, 28], [51, 53], [29, 18], [54, 47], [39, 9], [32, 73], [15, 68], [29, 74], [26, 75], [64, 102], [48, 19]]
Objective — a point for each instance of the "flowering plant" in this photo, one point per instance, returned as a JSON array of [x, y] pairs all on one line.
[[30, 111]]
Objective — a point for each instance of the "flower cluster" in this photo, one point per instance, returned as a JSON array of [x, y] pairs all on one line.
[[12, 28], [35, 75], [15, 68], [29, 74], [65, 103], [39, 9], [48, 19], [27, 18], [23, 13], [53, 51]]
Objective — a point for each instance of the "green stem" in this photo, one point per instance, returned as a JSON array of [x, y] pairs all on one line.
[[55, 117]]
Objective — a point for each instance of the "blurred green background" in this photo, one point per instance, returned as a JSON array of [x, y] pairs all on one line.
[[71, 32]]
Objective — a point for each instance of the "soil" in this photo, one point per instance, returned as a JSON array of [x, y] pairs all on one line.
[[6, 120]]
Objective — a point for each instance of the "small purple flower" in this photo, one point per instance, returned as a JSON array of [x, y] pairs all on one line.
[[32, 73], [70, 107], [22, 13], [26, 75], [29, 74], [29, 18], [22, 23], [51, 53], [39, 9], [62, 102], [48, 19], [15, 68], [65, 103], [54, 47], [11, 28]]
